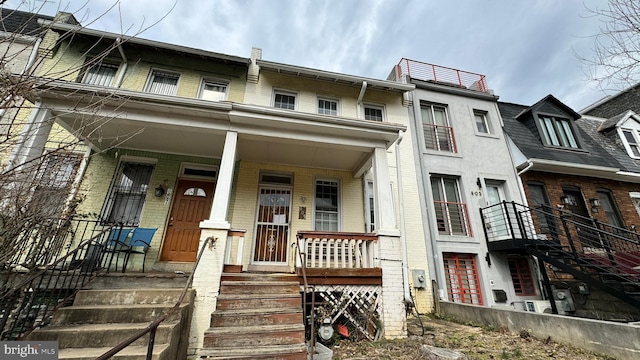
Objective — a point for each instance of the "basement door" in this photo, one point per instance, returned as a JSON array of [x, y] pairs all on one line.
[[272, 226], [191, 204]]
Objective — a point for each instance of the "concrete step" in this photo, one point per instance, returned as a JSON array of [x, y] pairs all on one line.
[[252, 336], [128, 297], [271, 352], [129, 353], [252, 301], [259, 287], [102, 335], [256, 317], [107, 314]]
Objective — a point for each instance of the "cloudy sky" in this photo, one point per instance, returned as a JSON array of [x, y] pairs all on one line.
[[526, 48]]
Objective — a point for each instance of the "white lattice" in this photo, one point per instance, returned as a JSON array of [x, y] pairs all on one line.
[[359, 305]]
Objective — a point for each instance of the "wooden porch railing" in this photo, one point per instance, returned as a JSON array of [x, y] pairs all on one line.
[[338, 250], [233, 236]]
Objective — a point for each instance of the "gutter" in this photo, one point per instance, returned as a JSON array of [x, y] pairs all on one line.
[[403, 238]]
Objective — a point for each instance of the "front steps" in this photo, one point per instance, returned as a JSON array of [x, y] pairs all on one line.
[[98, 320], [258, 316]]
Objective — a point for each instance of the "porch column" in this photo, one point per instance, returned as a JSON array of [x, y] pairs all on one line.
[[33, 138], [218, 216], [384, 207]]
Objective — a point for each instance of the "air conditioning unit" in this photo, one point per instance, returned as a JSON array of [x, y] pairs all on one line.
[[544, 306]]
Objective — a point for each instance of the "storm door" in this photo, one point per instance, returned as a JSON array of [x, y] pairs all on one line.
[[272, 226]]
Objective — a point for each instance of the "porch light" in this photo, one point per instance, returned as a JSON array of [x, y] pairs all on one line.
[[159, 191]]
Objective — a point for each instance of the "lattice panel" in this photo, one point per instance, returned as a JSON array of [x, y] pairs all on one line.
[[359, 305]]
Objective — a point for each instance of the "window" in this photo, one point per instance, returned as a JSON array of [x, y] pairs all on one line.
[[128, 193], [284, 100], [326, 206], [631, 142], [609, 207], [557, 132], [56, 175], [213, 90], [438, 135], [521, 276], [372, 112], [635, 199], [369, 207], [101, 74], [162, 82], [461, 273], [543, 213], [451, 212], [482, 123], [327, 107]]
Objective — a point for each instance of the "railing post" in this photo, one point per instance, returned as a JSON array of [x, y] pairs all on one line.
[[240, 249], [506, 211], [227, 250]]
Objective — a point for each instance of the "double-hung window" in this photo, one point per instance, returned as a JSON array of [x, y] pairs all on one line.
[[372, 112], [482, 122], [162, 82], [609, 206], [327, 210], [438, 134], [327, 106], [213, 90], [56, 176], [451, 213], [101, 74], [284, 100], [128, 193], [557, 132], [631, 142]]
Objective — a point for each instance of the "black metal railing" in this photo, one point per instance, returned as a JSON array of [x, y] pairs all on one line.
[[581, 246], [33, 284]]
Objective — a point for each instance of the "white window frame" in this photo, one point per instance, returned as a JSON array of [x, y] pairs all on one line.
[[99, 65], [369, 206], [151, 78], [338, 212], [285, 93], [324, 111], [373, 107], [485, 120], [216, 82], [627, 145], [635, 199]]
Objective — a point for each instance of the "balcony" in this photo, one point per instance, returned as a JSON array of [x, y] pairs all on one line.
[[442, 75], [439, 137]]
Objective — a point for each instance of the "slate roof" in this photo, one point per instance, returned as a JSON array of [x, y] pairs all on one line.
[[612, 122], [532, 147], [611, 142], [25, 23]]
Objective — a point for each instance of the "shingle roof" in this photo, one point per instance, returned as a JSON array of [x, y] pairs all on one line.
[[612, 122], [610, 142], [25, 23], [532, 147]]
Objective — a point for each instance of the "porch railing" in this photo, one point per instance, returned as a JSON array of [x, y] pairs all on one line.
[[337, 249], [452, 218], [35, 287], [234, 236]]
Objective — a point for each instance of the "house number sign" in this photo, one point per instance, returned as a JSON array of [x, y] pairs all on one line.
[[476, 193]]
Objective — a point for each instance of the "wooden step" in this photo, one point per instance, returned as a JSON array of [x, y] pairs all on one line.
[[271, 352], [257, 317], [259, 287], [252, 336], [251, 301]]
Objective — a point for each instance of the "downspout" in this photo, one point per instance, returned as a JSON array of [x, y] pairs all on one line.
[[403, 239], [32, 56], [124, 63], [359, 102]]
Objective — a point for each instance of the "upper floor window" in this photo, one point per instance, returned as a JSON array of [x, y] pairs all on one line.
[[101, 74], [631, 142], [327, 106], [482, 121], [213, 90], [438, 134], [372, 112], [284, 100], [557, 132], [451, 213], [162, 82]]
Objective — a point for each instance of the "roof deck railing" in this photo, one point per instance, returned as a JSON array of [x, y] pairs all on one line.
[[442, 75]]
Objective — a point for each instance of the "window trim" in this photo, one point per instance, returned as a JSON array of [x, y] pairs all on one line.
[[369, 206], [614, 207], [627, 146], [487, 122], [286, 93], [465, 221], [150, 78], [545, 135], [198, 166], [451, 139], [447, 256], [339, 210], [88, 66], [328, 99], [206, 80], [375, 107], [522, 275]]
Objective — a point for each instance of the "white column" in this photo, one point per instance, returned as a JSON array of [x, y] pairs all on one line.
[[34, 137], [218, 217], [384, 207]]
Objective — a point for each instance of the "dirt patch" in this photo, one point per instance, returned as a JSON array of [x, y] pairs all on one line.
[[473, 341]]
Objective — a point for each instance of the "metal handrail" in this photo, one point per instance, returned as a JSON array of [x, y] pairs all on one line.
[[151, 329], [307, 287]]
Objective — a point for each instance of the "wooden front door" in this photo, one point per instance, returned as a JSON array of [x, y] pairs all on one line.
[[191, 204], [272, 226]]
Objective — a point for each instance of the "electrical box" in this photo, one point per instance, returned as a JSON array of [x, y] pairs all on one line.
[[419, 279]]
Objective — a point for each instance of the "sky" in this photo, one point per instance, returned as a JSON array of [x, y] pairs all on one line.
[[527, 49]]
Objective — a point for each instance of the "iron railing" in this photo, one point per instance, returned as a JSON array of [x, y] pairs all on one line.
[[439, 137], [442, 75], [33, 286]]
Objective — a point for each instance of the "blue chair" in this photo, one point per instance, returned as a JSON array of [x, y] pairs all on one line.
[[116, 241], [139, 243]]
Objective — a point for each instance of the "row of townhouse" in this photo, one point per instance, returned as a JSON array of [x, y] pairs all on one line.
[[198, 144]]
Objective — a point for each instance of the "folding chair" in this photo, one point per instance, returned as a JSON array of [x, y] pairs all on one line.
[[138, 244]]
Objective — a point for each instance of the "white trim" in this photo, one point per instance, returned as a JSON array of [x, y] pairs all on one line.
[[205, 79], [339, 207], [625, 142], [151, 76], [328, 99], [277, 91], [380, 107], [198, 166], [487, 121]]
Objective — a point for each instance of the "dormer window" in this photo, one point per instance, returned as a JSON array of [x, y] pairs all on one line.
[[557, 132], [631, 142]]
